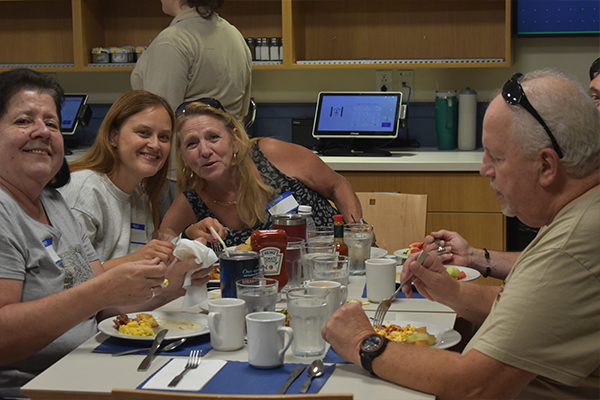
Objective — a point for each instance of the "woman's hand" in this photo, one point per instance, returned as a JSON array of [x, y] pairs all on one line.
[[155, 248], [202, 230], [457, 251]]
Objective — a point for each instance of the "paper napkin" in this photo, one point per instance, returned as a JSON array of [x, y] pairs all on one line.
[[193, 381], [203, 255]]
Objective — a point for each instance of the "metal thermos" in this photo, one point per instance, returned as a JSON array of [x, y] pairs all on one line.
[[446, 116]]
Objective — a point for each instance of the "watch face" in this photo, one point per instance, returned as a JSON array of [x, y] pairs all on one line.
[[372, 343]]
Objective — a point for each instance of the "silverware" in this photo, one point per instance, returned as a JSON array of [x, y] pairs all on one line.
[[293, 376], [193, 361], [384, 306], [145, 364], [169, 347], [315, 369]]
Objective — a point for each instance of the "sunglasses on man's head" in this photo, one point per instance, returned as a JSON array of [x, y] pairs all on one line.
[[209, 101], [513, 94]]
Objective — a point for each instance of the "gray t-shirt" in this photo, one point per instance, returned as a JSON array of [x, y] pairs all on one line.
[[48, 259]]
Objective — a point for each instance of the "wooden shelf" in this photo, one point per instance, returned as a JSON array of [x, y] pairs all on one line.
[[58, 35]]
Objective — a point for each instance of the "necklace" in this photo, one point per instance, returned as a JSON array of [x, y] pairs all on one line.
[[222, 203]]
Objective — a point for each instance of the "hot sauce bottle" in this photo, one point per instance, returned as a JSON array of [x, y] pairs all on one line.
[[338, 234], [271, 246]]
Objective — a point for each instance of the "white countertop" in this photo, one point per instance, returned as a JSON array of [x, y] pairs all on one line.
[[417, 160], [423, 159]]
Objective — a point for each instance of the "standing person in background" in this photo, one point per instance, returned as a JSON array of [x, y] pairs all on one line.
[[198, 55], [115, 187]]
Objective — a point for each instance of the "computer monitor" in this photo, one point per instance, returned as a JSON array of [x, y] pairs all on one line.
[[359, 116], [71, 112]]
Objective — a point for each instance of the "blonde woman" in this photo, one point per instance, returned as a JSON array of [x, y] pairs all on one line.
[[115, 187], [226, 179]]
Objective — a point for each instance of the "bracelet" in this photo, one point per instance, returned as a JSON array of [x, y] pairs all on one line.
[[183, 235], [488, 270]]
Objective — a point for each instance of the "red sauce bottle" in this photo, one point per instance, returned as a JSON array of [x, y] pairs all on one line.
[[271, 246], [338, 233]]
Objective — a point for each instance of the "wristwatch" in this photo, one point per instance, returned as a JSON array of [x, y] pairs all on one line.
[[371, 347]]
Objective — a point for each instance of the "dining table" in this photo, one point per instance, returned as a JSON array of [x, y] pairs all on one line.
[[87, 374]]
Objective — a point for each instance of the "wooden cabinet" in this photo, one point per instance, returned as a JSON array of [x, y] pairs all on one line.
[[458, 201], [58, 35]]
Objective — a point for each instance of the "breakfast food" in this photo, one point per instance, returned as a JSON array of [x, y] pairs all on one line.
[[215, 274], [244, 246], [416, 247], [456, 273], [142, 325], [409, 334]]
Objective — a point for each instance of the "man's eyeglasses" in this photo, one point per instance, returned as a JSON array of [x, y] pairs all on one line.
[[513, 94], [209, 101]]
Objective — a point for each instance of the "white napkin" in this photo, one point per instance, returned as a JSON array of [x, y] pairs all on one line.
[[185, 249], [193, 380]]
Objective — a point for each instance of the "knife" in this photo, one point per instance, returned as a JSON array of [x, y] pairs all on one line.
[[295, 374], [157, 341]]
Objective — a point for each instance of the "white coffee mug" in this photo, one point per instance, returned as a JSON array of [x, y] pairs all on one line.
[[226, 323], [266, 344], [381, 278], [337, 296]]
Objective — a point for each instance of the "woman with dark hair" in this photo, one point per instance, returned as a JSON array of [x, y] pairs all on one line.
[[115, 187], [53, 288]]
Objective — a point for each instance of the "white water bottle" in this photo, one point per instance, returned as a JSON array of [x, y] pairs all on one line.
[[310, 222], [467, 119]]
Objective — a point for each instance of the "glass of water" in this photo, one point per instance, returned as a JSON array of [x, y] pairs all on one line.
[[260, 294], [320, 234], [358, 238], [293, 261], [326, 267], [308, 314]]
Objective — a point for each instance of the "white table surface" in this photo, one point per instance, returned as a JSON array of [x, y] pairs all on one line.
[[94, 375]]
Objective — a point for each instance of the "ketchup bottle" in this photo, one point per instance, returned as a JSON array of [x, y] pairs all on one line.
[[271, 246], [338, 234]]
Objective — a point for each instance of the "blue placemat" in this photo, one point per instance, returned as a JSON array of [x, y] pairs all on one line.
[[115, 345], [400, 295], [332, 357], [241, 378]]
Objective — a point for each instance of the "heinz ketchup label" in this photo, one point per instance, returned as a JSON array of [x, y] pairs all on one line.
[[271, 259]]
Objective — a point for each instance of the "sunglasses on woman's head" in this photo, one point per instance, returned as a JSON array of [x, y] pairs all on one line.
[[209, 101], [513, 94]]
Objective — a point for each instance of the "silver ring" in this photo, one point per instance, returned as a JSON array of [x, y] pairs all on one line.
[[440, 249], [153, 294]]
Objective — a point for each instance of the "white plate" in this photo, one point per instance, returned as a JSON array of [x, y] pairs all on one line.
[[472, 274], [402, 253], [212, 294], [377, 252], [179, 324], [445, 337]]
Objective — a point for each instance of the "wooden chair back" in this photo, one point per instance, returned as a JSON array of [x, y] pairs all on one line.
[[129, 394], [397, 218]]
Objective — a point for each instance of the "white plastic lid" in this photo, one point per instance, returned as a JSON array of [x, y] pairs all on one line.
[[305, 209]]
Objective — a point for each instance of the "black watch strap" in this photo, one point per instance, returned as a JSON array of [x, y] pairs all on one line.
[[366, 357]]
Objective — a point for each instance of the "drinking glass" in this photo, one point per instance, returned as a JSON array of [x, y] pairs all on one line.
[[358, 238], [312, 250], [293, 261], [330, 267], [260, 294], [308, 314], [320, 234]]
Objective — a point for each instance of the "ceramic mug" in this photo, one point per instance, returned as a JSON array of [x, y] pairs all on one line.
[[381, 278], [226, 323], [337, 295], [266, 339]]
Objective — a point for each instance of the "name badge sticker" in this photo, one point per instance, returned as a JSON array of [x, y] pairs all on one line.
[[51, 252], [282, 204], [138, 234]]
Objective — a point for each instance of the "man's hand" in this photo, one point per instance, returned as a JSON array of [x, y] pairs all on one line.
[[346, 329], [457, 251], [430, 279]]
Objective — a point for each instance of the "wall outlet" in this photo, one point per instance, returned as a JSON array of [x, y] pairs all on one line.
[[384, 81], [406, 78]]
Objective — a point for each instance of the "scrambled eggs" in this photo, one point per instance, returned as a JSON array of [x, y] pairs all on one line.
[[143, 325], [409, 333]]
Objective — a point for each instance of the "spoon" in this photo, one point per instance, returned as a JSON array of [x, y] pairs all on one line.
[[169, 347], [315, 369]]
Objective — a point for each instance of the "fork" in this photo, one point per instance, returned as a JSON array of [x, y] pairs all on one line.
[[384, 306], [194, 360]]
